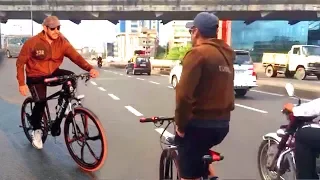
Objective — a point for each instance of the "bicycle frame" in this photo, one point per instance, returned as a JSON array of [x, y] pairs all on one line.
[[66, 94], [173, 152]]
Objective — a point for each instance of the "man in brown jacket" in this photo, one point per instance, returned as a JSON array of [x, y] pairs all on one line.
[[204, 95], [42, 55]]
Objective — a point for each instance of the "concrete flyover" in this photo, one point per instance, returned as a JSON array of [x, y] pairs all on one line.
[[165, 10]]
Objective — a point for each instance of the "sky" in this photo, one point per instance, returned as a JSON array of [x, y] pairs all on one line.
[[87, 33]]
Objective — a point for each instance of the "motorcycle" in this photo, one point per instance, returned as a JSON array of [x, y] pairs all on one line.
[[276, 152]]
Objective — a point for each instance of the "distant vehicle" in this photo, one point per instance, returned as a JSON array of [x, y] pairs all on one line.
[[301, 61], [245, 77], [12, 44], [139, 65]]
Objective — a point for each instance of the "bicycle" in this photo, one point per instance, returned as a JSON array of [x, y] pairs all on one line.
[[67, 108], [170, 153]]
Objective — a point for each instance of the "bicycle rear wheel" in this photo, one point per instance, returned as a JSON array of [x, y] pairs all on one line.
[[25, 120], [168, 165], [73, 135]]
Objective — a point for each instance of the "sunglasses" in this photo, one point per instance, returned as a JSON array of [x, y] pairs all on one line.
[[191, 30], [52, 29]]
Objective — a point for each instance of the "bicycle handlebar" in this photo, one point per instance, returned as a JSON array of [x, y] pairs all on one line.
[[156, 119], [66, 77]]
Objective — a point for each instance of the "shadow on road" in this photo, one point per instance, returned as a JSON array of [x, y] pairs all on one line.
[[21, 161]]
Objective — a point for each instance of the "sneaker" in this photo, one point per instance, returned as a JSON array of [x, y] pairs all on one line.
[[37, 139]]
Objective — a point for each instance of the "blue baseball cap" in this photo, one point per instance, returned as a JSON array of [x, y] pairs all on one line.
[[206, 23]]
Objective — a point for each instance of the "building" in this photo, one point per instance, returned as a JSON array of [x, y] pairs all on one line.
[[148, 41], [131, 26], [110, 49], [272, 36], [126, 43], [136, 35], [180, 35]]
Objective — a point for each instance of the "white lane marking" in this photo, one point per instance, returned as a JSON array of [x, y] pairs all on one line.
[[302, 99], [102, 89], [166, 134], [105, 70], [94, 83], [281, 95], [133, 111], [115, 73], [129, 76], [263, 92], [114, 97], [251, 108], [164, 75], [154, 82], [121, 74], [140, 79], [170, 87]]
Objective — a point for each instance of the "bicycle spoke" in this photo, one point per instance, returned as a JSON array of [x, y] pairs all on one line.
[[82, 150], [74, 139], [91, 151], [85, 123], [94, 138]]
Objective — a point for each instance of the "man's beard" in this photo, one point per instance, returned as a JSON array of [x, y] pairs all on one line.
[[50, 37]]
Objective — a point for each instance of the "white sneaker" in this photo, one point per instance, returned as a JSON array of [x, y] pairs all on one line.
[[37, 139]]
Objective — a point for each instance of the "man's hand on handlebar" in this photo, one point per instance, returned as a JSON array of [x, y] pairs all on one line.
[[94, 73], [288, 107]]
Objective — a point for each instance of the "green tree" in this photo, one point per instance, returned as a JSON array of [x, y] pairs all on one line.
[[161, 52], [177, 53]]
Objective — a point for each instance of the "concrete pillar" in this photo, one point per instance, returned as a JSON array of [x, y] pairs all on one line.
[[224, 32]]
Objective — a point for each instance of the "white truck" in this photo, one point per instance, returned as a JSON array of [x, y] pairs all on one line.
[[300, 62]]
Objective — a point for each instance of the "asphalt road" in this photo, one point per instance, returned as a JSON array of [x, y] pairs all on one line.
[[133, 148], [310, 80]]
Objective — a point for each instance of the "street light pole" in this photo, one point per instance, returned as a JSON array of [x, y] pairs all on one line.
[[31, 14]]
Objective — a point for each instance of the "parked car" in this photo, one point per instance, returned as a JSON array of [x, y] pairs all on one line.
[[245, 77], [139, 65]]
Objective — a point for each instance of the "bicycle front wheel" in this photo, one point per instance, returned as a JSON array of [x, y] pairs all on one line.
[[75, 136], [168, 167]]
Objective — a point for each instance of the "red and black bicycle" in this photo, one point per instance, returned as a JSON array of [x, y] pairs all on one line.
[[168, 158], [69, 107]]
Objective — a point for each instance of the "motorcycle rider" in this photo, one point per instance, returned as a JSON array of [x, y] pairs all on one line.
[[204, 96], [99, 60], [307, 140], [42, 55]]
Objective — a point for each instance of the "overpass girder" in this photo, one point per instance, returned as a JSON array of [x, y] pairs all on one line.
[[293, 22], [76, 21], [115, 22], [95, 14], [3, 20], [39, 21], [164, 22]]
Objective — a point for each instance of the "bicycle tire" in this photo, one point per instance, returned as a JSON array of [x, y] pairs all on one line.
[[167, 161], [24, 124], [96, 121]]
